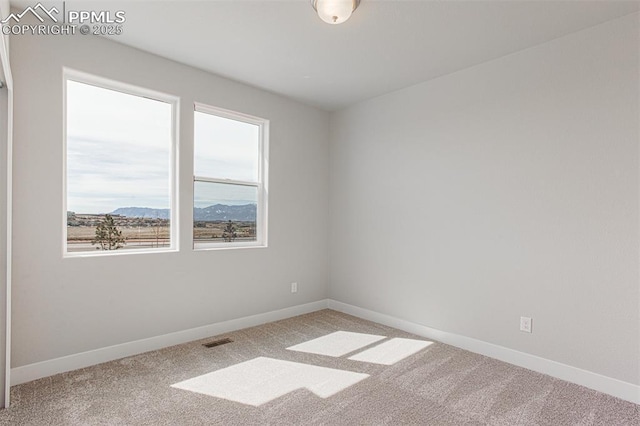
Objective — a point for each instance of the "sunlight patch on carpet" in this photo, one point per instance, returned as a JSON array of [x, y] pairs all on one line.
[[262, 379], [337, 344], [391, 351]]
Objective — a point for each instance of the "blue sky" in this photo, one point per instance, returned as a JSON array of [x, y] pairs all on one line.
[[119, 152]]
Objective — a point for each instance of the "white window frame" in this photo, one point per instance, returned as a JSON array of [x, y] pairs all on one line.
[[129, 89], [261, 184]]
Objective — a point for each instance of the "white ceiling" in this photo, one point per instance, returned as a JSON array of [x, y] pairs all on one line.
[[283, 47]]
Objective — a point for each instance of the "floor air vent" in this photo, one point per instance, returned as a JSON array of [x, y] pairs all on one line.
[[217, 343]]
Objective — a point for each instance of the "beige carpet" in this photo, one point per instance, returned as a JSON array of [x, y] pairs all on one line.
[[439, 385]]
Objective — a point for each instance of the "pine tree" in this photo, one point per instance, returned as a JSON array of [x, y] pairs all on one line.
[[108, 235], [229, 232]]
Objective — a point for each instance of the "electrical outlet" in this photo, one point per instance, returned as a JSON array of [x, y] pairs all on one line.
[[294, 287], [525, 324]]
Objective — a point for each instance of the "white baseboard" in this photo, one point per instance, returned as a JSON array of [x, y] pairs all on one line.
[[27, 373], [608, 385]]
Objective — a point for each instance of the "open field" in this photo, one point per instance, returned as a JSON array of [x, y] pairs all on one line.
[[88, 233], [212, 231], [148, 236], [79, 237]]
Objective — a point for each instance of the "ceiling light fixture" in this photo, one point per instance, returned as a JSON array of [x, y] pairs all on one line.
[[335, 11]]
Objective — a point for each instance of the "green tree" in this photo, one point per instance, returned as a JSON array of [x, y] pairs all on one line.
[[108, 235], [229, 232]]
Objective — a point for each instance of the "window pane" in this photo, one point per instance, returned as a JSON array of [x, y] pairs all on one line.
[[118, 163], [225, 149], [224, 212]]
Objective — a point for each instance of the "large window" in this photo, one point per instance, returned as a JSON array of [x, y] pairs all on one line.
[[230, 159], [120, 150]]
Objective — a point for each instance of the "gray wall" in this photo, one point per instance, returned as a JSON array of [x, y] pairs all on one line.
[[66, 306], [4, 107], [507, 189], [4, 111]]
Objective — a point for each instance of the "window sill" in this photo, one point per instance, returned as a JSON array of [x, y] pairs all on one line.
[[109, 253], [227, 246]]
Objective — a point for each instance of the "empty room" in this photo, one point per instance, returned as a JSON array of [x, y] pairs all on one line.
[[336, 212]]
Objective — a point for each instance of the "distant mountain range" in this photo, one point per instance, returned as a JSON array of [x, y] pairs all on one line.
[[246, 212]]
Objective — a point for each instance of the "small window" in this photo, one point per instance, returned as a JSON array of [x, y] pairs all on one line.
[[229, 208], [120, 150]]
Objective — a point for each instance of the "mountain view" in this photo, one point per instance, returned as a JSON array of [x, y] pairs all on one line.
[[246, 212]]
